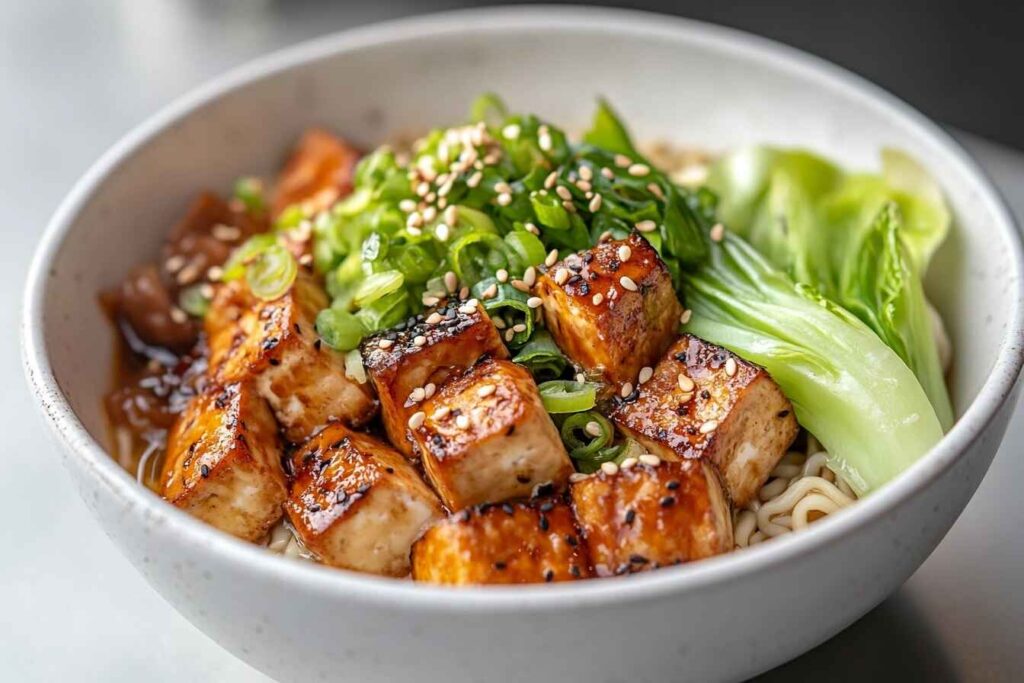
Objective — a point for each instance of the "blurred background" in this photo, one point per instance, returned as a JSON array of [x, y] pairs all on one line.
[[78, 74]]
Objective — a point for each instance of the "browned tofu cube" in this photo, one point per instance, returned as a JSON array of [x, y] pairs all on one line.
[[402, 363], [611, 309], [358, 504], [275, 344], [485, 437], [704, 402], [223, 462], [525, 542], [646, 517], [318, 173]]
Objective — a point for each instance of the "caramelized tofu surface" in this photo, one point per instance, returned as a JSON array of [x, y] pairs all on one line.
[[524, 542], [419, 353], [275, 344], [224, 462], [646, 517], [358, 504], [611, 316], [318, 173], [724, 409], [485, 437]]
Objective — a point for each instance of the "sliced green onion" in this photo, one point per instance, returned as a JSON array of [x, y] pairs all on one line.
[[193, 301], [542, 357], [488, 108], [581, 444], [272, 272], [567, 396], [476, 255], [339, 329], [550, 211], [606, 454], [377, 286], [249, 191], [385, 312], [510, 305], [234, 268], [526, 247], [290, 217]]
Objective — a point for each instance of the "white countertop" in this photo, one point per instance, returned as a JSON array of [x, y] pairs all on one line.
[[76, 77]]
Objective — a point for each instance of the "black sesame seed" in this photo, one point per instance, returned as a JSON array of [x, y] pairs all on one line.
[[500, 566], [681, 357], [316, 344], [298, 328], [668, 501], [389, 470], [630, 516], [549, 576], [584, 289], [508, 509], [782, 413], [544, 526], [314, 508], [672, 485], [511, 429], [638, 559], [571, 540], [705, 394], [575, 571], [274, 361], [204, 470], [547, 506], [575, 266], [588, 257], [574, 279], [523, 478]]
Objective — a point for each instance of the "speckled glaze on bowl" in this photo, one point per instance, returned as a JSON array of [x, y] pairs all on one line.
[[720, 619]]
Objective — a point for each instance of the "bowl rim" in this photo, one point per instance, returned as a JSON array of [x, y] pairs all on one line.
[[382, 591]]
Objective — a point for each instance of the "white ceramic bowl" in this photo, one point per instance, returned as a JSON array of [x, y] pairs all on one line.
[[723, 618]]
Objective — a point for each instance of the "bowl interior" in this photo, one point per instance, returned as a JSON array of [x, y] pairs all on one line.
[[695, 87]]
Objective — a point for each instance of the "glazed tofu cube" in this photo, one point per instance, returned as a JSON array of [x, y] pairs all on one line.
[[704, 402], [525, 542], [223, 462], [318, 173], [611, 309], [651, 516], [402, 363], [275, 344], [485, 437], [358, 504]]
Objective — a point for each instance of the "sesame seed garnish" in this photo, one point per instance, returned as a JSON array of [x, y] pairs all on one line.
[[430, 300], [419, 340], [530, 276], [578, 477], [685, 317], [563, 192], [502, 275], [521, 286], [511, 131], [730, 367], [385, 344], [499, 322], [429, 389], [416, 419], [451, 215], [639, 170], [415, 232], [586, 173], [650, 459], [544, 139], [627, 282], [474, 179], [609, 468], [607, 172], [441, 413], [434, 318], [407, 205], [490, 292], [709, 426], [417, 394], [717, 232], [630, 515], [429, 214], [304, 260], [502, 187], [179, 316], [462, 422], [569, 206], [463, 293], [655, 189], [624, 252], [686, 397], [214, 273], [626, 389], [423, 189], [685, 383], [225, 233], [534, 302], [646, 226], [519, 327], [550, 181], [593, 428], [604, 236], [646, 373], [485, 391], [552, 258], [510, 334], [667, 501], [451, 281], [504, 199], [628, 463], [532, 229], [189, 273], [442, 231], [595, 204], [622, 161], [597, 299], [583, 185], [207, 291]]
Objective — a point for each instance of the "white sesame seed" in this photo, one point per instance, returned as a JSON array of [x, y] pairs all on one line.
[[685, 383], [510, 334], [189, 273], [607, 172], [577, 477], [624, 252], [595, 204], [214, 273], [685, 317], [442, 231], [511, 131], [499, 322], [463, 294], [521, 286], [561, 275], [597, 299], [646, 226], [462, 422], [685, 397], [581, 378], [646, 373], [179, 316], [485, 391], [717, 232], [622, 161], [430, 300], [451, 281], [504, 199], [451, 215], [583, 185], [474, 179], [306, 259], [655, 189], [414, 220], [429, 214], [441, 413], [502, 275], [419, 340], [639, 170], [429, 389], [708, 427], [569, 206], [415, 232], [628, 463], [434, 318], [730, 366], [544, 140], [626, 389], [490, 292], [206, 290], [502, 187], [552, 258], [417, 394], [430, 198], [550, 181], [627, 282], [533, 229], [416, 419], [604, 236], [407, 205], [609, 468], [519, 327], [225, 233], [422, 189], [593, 428], [586, 173], [650, 459], [530, 276], [563, 192], [534, 302]]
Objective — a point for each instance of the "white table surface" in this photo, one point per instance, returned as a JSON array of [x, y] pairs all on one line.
[[76, 76]]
